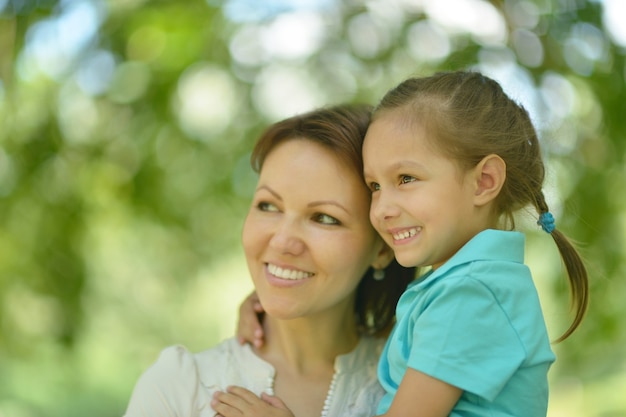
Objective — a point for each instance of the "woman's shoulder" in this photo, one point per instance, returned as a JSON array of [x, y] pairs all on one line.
[[173, 363], [177, 370], [230, 363], [222, 362], [184, 382], [178, 360], [168, 386], [232, 357]]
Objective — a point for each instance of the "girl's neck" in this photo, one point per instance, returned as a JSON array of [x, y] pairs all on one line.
[[307, 345]]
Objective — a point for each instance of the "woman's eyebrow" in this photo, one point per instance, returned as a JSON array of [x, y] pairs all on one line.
[[327, 202], [312, 204], [268, 189]]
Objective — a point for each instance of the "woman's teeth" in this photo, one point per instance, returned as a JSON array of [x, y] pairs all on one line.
[[285, 273]]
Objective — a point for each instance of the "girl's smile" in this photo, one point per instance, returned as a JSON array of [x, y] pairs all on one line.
[[402, 236]]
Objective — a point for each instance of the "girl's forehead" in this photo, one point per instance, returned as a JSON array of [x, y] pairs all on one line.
[[389, 128], [398, 121]]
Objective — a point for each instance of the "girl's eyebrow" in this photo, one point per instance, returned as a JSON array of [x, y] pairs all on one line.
[[406, 164]]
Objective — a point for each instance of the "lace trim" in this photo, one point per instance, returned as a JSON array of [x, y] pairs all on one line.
[[329, 396]]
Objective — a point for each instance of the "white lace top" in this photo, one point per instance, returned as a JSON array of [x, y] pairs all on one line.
[[181, 384]]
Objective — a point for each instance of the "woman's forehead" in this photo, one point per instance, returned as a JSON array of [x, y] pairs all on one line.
[[307, 157], [304, 165]]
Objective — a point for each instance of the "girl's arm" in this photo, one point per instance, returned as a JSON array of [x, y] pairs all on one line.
[[249, 329], [239, 402], [420, 395]]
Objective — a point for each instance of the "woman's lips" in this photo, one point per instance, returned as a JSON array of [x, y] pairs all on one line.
[[287, 273]]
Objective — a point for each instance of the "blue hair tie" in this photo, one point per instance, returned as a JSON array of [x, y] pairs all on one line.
[[546, 221]]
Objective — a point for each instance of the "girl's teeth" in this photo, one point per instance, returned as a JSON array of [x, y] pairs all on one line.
[[406, 233], [284, 273]]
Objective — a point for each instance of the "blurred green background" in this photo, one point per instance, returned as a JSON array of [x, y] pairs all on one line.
[[125, 132]]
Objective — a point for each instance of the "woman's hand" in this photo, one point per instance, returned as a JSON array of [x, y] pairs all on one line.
[[239, 402], [249, 329]]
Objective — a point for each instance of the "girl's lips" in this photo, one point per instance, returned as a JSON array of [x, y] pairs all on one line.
[[401, 236]]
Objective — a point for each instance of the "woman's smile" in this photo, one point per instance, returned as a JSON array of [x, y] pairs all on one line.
[[287, 272]]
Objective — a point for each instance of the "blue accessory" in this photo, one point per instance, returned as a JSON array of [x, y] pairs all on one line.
[[546, 221]]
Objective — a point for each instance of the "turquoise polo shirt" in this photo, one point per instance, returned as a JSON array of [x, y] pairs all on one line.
[[475, 323]]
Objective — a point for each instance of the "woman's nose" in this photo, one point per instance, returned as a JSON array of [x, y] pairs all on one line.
[[287, 239]]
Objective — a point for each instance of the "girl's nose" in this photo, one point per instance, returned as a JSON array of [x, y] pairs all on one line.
[[287, 239], [383, 207]]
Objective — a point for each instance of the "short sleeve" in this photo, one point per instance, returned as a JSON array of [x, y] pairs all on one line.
[[168, 388], [464, 337]]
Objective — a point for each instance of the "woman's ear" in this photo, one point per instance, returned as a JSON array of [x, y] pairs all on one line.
[[384, 257], [490, 174]]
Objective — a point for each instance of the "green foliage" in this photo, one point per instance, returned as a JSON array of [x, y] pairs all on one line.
[[124, 180]]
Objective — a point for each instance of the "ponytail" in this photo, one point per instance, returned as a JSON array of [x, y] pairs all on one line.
[[576, 271], [578, 280]]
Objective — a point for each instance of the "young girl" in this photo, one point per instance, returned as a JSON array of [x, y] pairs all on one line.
[[450, 159]]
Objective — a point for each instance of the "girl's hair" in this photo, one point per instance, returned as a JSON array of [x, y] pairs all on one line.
[[467, 116], [342, 130]]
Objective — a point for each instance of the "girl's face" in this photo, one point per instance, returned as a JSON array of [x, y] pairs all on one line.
[[307, 237], [422, 204]]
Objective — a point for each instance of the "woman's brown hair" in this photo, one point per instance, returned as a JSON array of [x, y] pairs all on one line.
[[342, 130]]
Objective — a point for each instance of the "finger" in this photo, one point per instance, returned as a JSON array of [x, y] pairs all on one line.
[[273, 401], [248, 323], [231, 400], [258, 339], [225, 410], [244, 394]]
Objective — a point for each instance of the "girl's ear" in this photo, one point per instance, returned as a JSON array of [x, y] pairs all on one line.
[[490, 174], [384, 257]]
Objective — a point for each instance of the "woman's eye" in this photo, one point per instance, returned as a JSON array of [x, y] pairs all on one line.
[[325, 219], [374, 186], [405, 179], [264, 206]]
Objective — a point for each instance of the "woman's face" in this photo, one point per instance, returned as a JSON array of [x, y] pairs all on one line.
[[307, 237]]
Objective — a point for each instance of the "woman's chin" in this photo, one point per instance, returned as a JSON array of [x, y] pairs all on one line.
[[281, 309]]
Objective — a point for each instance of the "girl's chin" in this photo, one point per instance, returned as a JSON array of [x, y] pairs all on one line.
[[406, 261]]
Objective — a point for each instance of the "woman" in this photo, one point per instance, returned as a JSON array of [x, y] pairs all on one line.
[[313, 255]]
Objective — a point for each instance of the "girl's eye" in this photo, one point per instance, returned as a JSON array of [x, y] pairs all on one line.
[[405, 179], [374, 186], [264, 206], [326, 219]]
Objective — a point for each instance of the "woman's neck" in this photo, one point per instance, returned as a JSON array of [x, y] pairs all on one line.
[[303, 353], [307, 345]]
